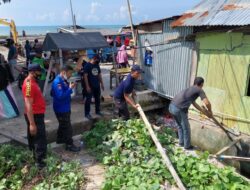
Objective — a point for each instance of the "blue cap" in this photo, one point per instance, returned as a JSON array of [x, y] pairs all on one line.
[[34, 67], [136, 68], [91, 54]]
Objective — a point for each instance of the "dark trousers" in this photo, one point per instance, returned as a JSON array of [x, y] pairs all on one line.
[[65, 131], [122, 107], [84, 92], [37, 143], [181, 118], [96, 93]]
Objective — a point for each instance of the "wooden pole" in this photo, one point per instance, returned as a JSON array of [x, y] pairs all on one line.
[[72, 15], [227, 147], [166, 160], [225, 157], [220, 125], [115, 67], [61, 58], [131, 20]]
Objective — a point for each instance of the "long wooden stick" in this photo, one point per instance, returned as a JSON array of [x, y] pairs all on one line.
[[166, 160], [227, 147], [225, 157], [220, 125]]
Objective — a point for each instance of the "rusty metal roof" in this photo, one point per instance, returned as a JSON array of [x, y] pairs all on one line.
[[217, 12]]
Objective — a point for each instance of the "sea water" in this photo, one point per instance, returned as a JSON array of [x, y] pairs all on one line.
[[42, 30]]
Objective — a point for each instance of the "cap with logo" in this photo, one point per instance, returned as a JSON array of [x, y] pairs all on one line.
[[34, 67], [136, 68]]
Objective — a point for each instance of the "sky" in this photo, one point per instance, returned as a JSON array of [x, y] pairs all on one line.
[[90, 12]]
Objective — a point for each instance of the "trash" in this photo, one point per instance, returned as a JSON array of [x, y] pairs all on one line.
[[167, 121]]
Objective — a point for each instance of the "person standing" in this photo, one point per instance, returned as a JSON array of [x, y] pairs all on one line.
[[93, 82], [80, 68], [40, 61], [34, 115], [36, 45], [179, 109], [8, 105], [122, 57], [27, 52], [123, 91], [61, 92], [12, 57]]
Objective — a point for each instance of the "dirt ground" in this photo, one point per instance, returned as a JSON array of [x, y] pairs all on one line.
[[93, 170]]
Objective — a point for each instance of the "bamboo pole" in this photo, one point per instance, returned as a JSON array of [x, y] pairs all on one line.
[[227, 147], [226, 157], [131, 20], [166, 159]]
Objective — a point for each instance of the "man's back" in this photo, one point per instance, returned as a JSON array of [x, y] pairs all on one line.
[[12, 53], [125, 86], [185, 98]]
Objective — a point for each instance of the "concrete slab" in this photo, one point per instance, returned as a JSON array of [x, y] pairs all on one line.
[[4, 140], [16, 128]]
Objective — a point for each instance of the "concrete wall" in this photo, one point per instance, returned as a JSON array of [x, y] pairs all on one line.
[[224, 62], [213, 139]]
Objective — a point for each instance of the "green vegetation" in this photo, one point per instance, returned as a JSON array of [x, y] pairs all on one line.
[[133, 162], [18, 171]]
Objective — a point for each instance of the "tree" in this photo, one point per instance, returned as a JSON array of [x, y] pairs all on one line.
[[4, 1]]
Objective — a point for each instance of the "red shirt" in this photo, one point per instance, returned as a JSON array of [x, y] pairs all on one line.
[[126, 42], [31, 89]]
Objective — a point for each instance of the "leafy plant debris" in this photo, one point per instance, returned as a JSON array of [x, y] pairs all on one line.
[[133, 162]]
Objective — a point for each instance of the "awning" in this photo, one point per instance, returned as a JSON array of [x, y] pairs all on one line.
[[74, 41]]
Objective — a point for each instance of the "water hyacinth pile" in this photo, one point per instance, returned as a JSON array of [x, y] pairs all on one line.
[[133, 162], [18, 171]]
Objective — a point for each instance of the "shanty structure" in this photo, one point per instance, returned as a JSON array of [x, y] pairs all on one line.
[[71, 41], [173, 57], [222, 29]]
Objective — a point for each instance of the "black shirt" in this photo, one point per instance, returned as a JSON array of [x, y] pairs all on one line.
[[185, 98]]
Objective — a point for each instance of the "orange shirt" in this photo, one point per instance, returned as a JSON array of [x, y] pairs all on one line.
[[31, 89]]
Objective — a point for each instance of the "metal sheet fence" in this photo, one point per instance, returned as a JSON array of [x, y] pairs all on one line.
[[172, 63]]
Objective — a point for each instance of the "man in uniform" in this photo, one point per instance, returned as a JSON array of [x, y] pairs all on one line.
[[179, 109], [34, 115], [61, 92], [93, 82], [123, 91]]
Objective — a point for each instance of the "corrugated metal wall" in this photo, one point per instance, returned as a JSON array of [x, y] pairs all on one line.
[[171, 69]]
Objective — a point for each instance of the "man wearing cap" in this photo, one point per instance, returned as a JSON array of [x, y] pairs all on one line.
[[179, 109], [123, 91], [61, 92], [34, 115], [93, 81], [40, 61]]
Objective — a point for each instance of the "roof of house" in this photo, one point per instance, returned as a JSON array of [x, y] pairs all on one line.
[[216, 13]]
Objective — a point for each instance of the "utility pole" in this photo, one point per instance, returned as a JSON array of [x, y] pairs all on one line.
[[131, 21], [73, 18]]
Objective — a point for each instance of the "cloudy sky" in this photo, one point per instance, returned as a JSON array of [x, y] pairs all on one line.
[[90, 12]]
